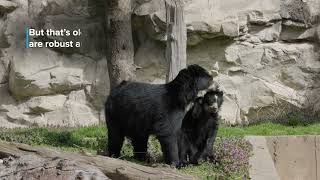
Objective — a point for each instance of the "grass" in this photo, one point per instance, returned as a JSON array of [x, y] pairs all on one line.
[[93, 139], [203, 171], [270, 129], [86, 137]]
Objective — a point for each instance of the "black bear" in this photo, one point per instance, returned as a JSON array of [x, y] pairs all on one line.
[[137, 110], [199, 128]]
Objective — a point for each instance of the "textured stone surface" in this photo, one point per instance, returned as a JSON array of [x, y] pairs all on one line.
[[32, 167], [295, 34], [43, 72], [91, 31], [57, 111], [284, 157], [5, 95], [264, 53], [318, 34], [295, 157], [43, 104], [307, 11], [261, 163], [52, 87], [9, 125], [7, 6], [210, 19], [254, 77], [3, 73]]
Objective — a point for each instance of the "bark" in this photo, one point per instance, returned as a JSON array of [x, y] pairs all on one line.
[[42, 163], [176, 54], [34, 167], [120, 49]]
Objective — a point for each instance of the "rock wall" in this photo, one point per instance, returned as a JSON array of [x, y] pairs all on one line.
[[264, 53], [52, 87]]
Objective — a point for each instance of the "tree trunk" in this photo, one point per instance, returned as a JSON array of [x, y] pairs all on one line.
[[19, 161], [120, 50], [176, 54]]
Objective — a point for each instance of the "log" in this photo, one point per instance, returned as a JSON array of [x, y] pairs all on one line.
[[176, 51], [45, 163], [35, 167]]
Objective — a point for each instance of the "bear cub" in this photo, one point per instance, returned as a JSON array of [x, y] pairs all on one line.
[[199, 129]]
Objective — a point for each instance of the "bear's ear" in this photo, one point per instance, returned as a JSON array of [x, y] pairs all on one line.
[[220, 98], [220, 93]]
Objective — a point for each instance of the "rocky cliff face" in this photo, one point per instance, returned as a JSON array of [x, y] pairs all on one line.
[[265, 54], [52, 87]]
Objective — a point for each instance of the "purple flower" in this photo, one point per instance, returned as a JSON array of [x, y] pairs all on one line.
[[232, 155]]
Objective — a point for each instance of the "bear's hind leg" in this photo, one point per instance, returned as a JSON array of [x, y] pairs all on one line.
[[115, 142], [140, 147], [169, 148]]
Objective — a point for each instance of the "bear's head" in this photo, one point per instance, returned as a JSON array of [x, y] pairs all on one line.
[[189, 82], [201, 77], [212, 101]]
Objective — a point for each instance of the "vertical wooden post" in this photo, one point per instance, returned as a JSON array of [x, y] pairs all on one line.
[[176, 51]]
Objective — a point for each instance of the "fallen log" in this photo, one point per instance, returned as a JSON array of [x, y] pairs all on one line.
[[34, 162], [35, 167]]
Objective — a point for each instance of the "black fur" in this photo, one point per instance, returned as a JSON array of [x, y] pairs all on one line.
[[136, 110], [199, 128]]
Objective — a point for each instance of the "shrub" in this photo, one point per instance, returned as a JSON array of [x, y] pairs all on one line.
[[231, 160], [232, 156]]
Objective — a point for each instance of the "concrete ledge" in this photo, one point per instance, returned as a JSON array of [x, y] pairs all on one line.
[[285, 158], [295, 157], [262, 166]]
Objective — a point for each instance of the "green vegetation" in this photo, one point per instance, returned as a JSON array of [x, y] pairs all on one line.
[[87, 138], [232, 151], [231, 160], [270, 129], [90, 137]]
